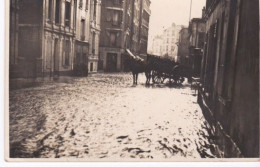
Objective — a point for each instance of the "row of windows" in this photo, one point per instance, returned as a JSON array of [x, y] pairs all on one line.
[[58, 12]]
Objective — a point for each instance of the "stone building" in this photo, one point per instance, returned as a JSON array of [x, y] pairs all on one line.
[[197, 34], [170, 40], [115, 33], [44, 45], [229, 92], [144, 26], [121, 29], [54, 37], [183, 46]]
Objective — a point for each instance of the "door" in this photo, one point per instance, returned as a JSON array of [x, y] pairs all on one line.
[[111, 62]]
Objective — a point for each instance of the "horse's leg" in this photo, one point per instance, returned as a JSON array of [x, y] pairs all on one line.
[[136, 78], [147, 77], [133, 78]]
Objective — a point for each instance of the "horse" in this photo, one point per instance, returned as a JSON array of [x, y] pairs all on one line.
[[137, 65]]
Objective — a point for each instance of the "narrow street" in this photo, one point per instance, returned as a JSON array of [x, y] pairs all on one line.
[[105, 116]]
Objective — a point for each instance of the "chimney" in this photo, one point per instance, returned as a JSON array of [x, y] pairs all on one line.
[[203, 12]]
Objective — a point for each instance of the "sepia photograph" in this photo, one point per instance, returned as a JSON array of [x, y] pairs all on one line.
[[132, 80]]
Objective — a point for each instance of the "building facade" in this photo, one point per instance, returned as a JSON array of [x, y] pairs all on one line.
[[229, 92], [157, 45], [43, 44], [82, 37], [115, 33], [56, 52], [197, 28], [122, 28], [54, 37], [95, 29], [170, 40], [144, 26], [183, 46]]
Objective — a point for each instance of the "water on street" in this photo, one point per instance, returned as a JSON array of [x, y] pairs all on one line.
[[105, 116]]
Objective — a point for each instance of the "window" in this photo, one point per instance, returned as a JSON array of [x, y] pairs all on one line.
[[50, 9], [93, 43], [116, 18], [91, 67], [95, 10], [57, 12], [86, 7], [113, 39], [80, 4], [67, 53], [82, 29], [67, 14]]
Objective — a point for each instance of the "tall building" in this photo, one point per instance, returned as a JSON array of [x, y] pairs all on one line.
[[157, 45], [122, 28], [115, 33], [229, 91], [170, 40]]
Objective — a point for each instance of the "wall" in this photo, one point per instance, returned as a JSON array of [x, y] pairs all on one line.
[[230, 75]]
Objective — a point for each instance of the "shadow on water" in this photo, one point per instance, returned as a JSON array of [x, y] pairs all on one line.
[[165, 85]]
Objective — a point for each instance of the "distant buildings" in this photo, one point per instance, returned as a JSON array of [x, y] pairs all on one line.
[[157, 45], [124, 25], [168, 42], [229, 90]]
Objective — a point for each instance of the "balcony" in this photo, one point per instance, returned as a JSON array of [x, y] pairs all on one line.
[[145, 23]]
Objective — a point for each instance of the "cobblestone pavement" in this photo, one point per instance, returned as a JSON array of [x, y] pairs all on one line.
[[105, 116]]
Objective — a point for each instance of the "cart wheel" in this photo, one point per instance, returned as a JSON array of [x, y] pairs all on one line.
[[157, 79], [180, 80]]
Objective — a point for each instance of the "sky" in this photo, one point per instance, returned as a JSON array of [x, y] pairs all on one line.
[[166, 12]]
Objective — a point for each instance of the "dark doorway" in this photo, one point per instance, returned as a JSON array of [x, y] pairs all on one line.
[[111, 62]]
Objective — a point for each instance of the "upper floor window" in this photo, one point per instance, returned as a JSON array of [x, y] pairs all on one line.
[[86, 7], [50, 9], [113, 39], [95, 9], [80, 4], [67, 13], [57, 12], [116, 18]]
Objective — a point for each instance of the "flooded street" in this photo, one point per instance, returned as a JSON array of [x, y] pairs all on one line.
[[105, 116]]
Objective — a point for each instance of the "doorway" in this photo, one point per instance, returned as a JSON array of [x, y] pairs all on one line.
[[111, 62]]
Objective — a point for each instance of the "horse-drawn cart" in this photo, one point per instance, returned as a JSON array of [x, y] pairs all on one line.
[[163, 69]]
